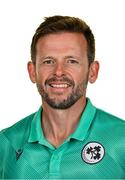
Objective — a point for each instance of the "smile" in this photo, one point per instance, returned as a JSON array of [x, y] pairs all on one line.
[[59, 85]]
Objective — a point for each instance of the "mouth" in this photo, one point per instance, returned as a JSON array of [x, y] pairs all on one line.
[[59, 85], [64, 85], [59, 88]]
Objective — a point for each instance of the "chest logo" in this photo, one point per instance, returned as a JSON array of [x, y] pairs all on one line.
[[93, 152], [18, 153]]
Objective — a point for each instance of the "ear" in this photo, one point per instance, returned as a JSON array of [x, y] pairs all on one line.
[[93, 71], [32, 71]]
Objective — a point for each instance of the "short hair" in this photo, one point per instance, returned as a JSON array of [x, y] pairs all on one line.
[[57, 24]]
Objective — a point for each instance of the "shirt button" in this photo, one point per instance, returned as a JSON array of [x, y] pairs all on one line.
[[56, 157]]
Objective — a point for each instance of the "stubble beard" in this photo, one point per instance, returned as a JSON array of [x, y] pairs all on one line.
[[74, 96]]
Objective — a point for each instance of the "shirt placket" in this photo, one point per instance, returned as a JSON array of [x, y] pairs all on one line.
[[54, 167], [55, 162]]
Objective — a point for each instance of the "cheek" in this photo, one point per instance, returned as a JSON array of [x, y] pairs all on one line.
[[80, 76], [42, 76]]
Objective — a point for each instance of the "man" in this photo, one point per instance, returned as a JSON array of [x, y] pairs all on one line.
[[67, 138]]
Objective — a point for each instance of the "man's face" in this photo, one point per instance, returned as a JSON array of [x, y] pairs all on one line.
[[61, 70]]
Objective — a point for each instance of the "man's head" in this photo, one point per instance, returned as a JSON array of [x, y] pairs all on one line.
[[57, 24], [62, 53]]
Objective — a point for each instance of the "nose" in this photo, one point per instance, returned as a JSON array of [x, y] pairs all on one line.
[[59, 70]]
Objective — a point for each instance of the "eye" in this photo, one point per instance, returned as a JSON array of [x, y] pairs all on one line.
[[48, 61], [72, 61]]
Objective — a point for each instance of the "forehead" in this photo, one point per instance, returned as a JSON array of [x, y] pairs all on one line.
[[60, 41]]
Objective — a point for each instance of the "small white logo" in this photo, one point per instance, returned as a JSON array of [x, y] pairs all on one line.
[[93, 152]]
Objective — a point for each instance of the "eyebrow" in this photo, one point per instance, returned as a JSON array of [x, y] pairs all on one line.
[[46, 57], [65, 57]]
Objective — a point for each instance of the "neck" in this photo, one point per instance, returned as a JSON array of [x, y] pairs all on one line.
[[59, 124]]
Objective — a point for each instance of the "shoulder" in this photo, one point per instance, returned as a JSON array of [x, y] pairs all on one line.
[[14, 138], [110, 123], [109, 118], [19, 126], [13, 135]]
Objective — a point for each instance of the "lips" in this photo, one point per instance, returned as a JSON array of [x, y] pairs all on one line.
[[59, 85]]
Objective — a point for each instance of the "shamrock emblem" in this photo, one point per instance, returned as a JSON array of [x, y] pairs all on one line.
[[92, 152]]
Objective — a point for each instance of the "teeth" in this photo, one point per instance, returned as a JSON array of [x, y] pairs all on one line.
[[59, 85]]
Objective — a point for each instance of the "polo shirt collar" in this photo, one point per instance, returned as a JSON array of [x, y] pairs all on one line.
[[85, 122], [36, 133], [36, 130]]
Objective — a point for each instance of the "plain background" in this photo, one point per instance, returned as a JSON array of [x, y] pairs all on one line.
[[18, 21]]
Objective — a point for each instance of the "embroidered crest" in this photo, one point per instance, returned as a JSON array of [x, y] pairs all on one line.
[[93, 152]]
